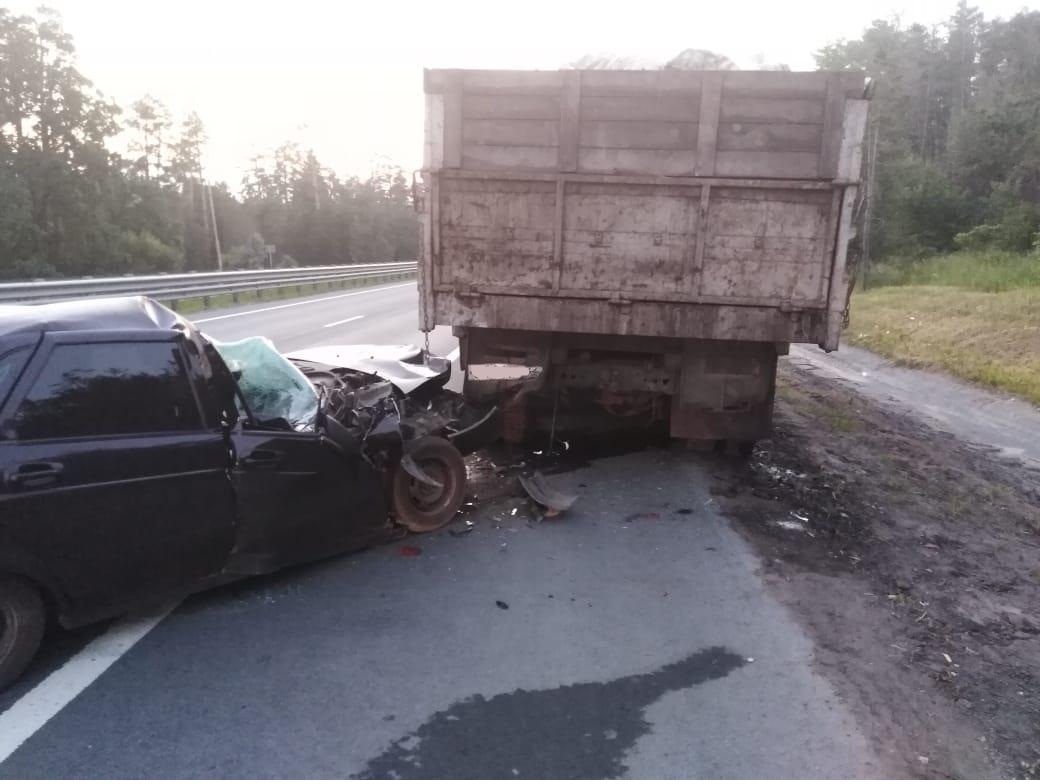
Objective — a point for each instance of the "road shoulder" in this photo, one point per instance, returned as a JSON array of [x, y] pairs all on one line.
[[1007, 424], [911, 558]]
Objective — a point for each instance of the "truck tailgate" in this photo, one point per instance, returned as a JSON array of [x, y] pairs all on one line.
[[667, 203]]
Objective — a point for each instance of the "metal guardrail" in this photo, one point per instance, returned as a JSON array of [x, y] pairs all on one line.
[[171, 288]]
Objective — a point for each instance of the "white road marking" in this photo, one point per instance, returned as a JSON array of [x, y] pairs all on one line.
[[296, 304], [343, 321], [22, 720], [453, 354]]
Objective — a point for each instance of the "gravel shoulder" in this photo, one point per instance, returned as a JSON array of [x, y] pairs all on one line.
[[1008, 425], [912, 557]]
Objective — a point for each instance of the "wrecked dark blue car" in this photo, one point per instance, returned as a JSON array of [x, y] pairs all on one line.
[[140, 459]]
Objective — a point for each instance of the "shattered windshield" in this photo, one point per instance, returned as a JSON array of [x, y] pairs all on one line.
[[273, 387]]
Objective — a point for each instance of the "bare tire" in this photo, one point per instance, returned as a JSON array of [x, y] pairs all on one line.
[[418, 506], [22, 620]]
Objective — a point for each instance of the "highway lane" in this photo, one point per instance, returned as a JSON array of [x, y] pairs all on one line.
[[385, 313], [633, 636]]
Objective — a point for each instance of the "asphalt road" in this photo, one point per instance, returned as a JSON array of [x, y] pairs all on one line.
[[386, 313], [630, 637]]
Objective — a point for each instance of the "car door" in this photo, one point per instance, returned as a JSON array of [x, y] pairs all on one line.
[[301, 497], [111, 479]]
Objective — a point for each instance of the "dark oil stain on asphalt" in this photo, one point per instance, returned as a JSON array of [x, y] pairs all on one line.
[[577, 731]]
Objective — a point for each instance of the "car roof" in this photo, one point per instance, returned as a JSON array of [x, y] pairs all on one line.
[[96, 314]]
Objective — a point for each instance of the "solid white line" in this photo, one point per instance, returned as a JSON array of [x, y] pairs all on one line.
[[296, 304], [344, 321], [21, 721], [453, 354]]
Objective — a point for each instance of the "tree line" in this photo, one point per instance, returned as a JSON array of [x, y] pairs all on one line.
[[953, 145], [71, 205], [954, 136]]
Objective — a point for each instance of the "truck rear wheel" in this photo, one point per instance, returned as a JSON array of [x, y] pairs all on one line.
[[22, 620], [419, 506]]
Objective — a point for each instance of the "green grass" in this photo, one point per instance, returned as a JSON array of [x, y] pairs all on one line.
[[197, 304], [990, 271], [974, 314], [988, 337]]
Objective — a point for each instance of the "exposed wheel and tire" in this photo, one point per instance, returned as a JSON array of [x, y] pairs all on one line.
[[22, 620], [420, 506]]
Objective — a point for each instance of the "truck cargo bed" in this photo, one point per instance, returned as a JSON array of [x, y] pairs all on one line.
[[713, 205]]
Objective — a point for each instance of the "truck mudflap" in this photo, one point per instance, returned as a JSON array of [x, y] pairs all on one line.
[[725, 392]]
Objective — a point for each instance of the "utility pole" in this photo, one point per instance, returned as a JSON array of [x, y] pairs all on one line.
[[207, 192], [216, 234], [314, 184]]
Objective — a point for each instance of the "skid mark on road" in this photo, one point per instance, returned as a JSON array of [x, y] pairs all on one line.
[[577, 731], [21, 721]]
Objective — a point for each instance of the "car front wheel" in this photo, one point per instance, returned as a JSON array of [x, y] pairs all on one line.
[[22, 620], [422, 507]]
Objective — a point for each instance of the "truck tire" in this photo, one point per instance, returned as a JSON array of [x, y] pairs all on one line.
[[419, 507], [739, 448], [22, 620]]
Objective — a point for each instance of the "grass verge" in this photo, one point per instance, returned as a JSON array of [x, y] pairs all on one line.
[[982, 270], [989, 337], [198, 304]]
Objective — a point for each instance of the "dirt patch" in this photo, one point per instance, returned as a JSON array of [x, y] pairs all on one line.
[[913, 559]]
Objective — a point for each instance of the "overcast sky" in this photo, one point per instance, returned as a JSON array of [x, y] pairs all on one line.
[[346, 77]]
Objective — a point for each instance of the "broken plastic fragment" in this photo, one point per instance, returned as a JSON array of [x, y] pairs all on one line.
[[540, 491]]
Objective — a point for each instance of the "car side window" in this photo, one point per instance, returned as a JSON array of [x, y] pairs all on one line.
[[106, 389], [10, 368]]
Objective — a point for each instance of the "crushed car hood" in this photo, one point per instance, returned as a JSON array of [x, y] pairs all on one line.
[[401, 365]]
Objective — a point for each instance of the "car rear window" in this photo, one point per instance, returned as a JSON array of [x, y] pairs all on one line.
[[103, 389]]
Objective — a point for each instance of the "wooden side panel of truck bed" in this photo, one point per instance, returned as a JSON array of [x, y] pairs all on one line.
[[670, 203]]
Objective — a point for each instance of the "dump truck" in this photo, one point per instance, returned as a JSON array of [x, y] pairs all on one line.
[[640, 246]]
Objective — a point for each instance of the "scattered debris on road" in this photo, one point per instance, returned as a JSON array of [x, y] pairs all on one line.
[[553, 501], [636, 516], [793, 525]]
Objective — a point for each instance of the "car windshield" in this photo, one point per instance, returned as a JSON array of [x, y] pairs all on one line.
[[276, 392]]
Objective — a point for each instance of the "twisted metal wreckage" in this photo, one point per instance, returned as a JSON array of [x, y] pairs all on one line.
[[391, 400]]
